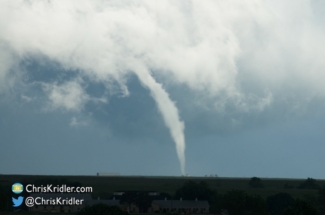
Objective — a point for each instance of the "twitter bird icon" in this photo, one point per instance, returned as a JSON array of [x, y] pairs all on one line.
[[17, 202]]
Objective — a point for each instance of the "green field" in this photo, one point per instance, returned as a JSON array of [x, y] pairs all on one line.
[[103, 184]]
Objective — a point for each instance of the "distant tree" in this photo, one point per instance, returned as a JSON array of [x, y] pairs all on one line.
[[288, 186], [311, 199], [237, 202], [310, 183], [256, 183], [216, 206], [192, 190], [143, 201], [278, 203], [140, 198], [301, 207], [129, 197], [102, 209], [256, 205], [234, 202], [321, 200]]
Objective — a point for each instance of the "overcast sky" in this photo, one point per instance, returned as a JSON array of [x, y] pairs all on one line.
[[233, 88]]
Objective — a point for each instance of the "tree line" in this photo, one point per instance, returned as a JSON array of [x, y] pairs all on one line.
[[234, 202]]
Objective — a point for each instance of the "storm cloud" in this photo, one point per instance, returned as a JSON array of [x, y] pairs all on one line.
[[226, 62]]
